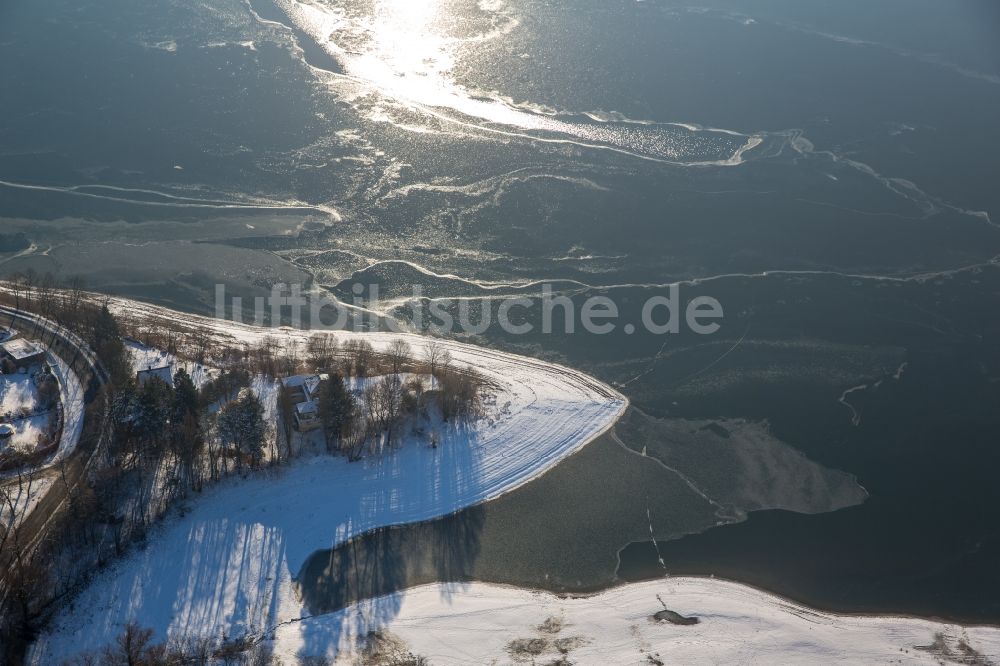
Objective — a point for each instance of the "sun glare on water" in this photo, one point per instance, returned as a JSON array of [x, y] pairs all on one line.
[[407, 50]]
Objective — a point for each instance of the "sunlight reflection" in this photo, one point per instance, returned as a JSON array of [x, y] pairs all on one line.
[[407, 51]]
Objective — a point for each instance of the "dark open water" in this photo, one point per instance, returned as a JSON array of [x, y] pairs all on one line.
[[159, 148]]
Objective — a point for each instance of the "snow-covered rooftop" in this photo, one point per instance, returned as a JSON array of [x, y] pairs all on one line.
[[21, 349], [308, 383], [306, 408]]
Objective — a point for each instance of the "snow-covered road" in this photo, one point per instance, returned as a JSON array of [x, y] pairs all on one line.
[[72, 404]]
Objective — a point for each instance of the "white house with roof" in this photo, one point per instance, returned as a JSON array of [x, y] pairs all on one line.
[[303, 391], [23, 353]]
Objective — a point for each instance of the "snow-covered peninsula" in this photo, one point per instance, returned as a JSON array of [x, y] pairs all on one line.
[[226, 566]]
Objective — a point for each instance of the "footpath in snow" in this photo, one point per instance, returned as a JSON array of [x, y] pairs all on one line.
[[484, 624], [227, 566]]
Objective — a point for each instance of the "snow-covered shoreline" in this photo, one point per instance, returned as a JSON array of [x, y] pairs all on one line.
[[227, 566], [483, 623]]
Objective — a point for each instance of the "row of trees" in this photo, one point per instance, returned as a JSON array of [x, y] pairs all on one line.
[[136, 646], [168, 440], [371, 397], [69, 304], [143, 446]]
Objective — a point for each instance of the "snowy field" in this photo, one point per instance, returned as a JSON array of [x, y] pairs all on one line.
[[18, 395], [17, 392], [490, 624], [24, 498], [227, 566]]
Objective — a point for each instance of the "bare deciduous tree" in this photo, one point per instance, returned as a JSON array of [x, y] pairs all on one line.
[[434, 354], [397, 355], [135, 647], [321, 351], [359, 358]]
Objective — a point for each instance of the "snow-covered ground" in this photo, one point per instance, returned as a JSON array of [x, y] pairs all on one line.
[[19, 394], [490, 624], [21, 407], [31, 433], [24, 498], [226, 567], [146, 358]]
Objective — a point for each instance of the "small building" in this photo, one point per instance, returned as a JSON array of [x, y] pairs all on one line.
[[23, 353], [303, 392], [307, 416], [163, 374]]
